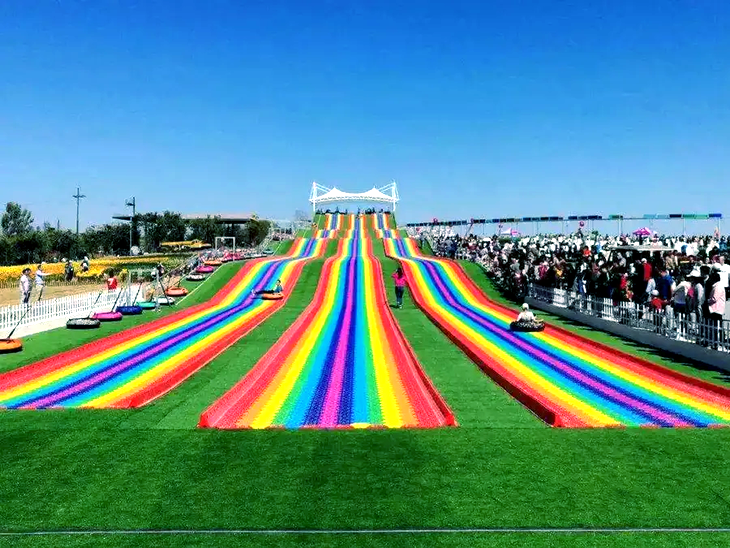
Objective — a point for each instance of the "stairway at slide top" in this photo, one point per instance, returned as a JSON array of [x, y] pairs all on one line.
[[565, 379], [344, 363], [132, 368]]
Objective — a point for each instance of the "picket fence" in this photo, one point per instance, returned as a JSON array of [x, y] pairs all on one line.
[[54, 312]]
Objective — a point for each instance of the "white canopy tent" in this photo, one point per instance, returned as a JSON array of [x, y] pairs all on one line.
[[322, 195]]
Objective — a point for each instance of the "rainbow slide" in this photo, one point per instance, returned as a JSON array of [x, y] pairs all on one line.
[[565, 379], [134, 367], [343, 364], [381, 225], [336, 225]]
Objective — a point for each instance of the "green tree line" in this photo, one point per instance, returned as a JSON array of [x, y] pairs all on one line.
[[21, 242]]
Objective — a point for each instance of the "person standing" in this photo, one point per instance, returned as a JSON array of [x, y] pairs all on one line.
[[69, 271], [716, 306], [25, 286], [400, 286], [111, 282], [40, 282]]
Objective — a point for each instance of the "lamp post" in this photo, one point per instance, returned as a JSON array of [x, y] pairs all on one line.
[[133, 204]]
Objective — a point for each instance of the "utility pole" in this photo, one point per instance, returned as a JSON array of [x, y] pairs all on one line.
[[78, 197], [133, 204]]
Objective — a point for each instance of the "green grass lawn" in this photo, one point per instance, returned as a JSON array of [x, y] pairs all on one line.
[[150, 468], [446, 540]]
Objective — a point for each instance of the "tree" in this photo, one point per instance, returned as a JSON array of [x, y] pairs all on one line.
[[153, 231], [64, 242], [256, 232], [206, 230], [32, 247], [16, 221], [173, 227]]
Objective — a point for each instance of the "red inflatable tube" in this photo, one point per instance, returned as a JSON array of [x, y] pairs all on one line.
[[176, 292]]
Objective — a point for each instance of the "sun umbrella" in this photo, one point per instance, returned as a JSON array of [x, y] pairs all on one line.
[[643, 231]]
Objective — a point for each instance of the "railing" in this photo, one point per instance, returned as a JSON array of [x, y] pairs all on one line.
[[58, 310], [681, 327]]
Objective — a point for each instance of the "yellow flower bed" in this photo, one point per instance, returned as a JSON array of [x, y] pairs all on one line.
[[97, 267]]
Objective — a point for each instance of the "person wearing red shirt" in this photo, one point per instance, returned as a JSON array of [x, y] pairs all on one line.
[[656, 302], [111, 282], [647, 270]]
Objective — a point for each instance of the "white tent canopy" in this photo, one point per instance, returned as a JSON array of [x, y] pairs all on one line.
[[323, 195]]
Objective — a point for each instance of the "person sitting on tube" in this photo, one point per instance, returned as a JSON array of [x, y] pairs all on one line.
[[526, 315]]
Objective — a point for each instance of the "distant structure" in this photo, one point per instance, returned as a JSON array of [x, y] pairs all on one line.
[[320, 195]]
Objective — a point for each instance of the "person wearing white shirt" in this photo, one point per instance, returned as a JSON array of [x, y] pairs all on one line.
[[40, 282], [25, 286], [724, 273], [526, 315]]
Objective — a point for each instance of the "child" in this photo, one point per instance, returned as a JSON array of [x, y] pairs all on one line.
[[400, 286], [111, 282]]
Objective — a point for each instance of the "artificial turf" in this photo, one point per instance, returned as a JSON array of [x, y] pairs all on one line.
[[150, 468], [446, 540]]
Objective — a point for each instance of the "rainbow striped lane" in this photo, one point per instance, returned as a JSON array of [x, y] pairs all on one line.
[[325, 234], [565, 379], [343, 364], [333, 221], [336, 225], [382, 228], [136, 366]]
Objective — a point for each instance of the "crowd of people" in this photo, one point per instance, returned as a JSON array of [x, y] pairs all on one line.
[[687, 274]]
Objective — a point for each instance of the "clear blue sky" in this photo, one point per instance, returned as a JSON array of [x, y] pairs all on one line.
[[477, 108]]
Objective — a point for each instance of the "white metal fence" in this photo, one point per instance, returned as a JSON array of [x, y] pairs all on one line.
[[682, 327], [59, 309]]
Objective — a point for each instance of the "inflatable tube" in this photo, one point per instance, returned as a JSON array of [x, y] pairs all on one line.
[[108, 316], [204, 269], [176, 292], [166, 301], [129, 310], [195, 277], [10, 345], [82, 323], [145, 305], [527, 327], [272, 296], [213, 263]]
